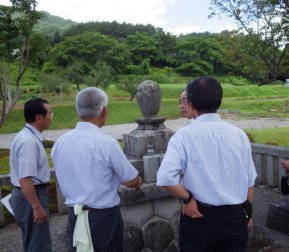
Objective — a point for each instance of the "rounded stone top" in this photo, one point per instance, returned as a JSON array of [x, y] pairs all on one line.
[[149, 98]]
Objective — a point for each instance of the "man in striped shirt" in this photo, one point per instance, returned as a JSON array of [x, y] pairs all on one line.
[[218, 175]]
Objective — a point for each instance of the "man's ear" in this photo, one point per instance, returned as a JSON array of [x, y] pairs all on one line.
[[103, 112], [38, 117], [194, 111]]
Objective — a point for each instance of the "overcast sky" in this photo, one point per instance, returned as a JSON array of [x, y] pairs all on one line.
[[175, 16]]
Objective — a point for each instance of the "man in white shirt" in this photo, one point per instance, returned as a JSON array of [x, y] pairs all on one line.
[[90, 166], [218, 175], [30, 175], [185, 108]]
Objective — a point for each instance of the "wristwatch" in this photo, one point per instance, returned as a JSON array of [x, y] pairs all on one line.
[[186, 201]]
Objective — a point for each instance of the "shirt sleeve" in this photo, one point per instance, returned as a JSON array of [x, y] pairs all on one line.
[[120, 165], [172, 165], [252, 174], [27, 156]]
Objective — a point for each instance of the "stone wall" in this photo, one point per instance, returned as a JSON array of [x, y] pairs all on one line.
[[151, 216], [268, 162], [151, 219]]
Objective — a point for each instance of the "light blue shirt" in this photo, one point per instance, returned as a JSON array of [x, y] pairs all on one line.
[[28, 157], [90, 166], [215, 160]]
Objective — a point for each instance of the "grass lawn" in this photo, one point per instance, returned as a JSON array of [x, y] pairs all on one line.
[[250, 101], [272, 136], [4, 161]]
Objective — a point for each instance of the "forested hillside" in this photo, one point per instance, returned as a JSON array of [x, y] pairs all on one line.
[[99, 53], [50, 24]]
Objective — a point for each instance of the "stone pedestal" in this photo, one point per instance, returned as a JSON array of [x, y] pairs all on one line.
[[137, 141], [151, 136], [278, 216], [152, 123]]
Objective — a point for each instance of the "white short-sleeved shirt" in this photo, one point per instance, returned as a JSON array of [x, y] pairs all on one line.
[[90, 166], [215, 159], [28, 157]]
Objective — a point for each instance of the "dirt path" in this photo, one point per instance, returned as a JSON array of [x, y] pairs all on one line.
[[117, 131]]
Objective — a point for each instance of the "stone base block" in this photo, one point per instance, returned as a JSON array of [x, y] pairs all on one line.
[[157, 234], [137, 141], [151, 166], [278, 216]]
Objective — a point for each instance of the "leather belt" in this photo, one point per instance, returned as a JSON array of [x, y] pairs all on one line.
[[205, 205], [38, 186], [89, 208]]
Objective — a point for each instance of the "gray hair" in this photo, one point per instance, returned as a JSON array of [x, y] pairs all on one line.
[[90, 102]]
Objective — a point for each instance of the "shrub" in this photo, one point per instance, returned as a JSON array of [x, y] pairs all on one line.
[[235, 81]]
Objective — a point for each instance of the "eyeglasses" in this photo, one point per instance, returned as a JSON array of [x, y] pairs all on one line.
[[51, 114], [183, 101]]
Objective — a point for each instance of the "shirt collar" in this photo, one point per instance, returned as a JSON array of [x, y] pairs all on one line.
[[208, 117], [87, 126], [37, 133]]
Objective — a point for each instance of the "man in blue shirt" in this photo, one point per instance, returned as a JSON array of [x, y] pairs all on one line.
[[90, 166], [218, 174], [30, 175]]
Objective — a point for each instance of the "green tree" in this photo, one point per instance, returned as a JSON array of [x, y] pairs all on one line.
[[16, 25], [87, 49], [197, 55], [130, 83], [100, 75], [239, 57], [54, 83], [141, 46], [74, 73], [113, 29], [40, 46], [166, 49], [267, 24]]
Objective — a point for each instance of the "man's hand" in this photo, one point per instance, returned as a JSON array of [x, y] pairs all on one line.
[[136, 183], [191, 209], [39, 215], [286, 164], [29, 192], [250, 223]]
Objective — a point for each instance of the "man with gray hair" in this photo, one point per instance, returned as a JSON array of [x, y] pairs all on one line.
[[90, 166]]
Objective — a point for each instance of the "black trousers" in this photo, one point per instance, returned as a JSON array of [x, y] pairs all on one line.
[[106, 228], [221, 229]]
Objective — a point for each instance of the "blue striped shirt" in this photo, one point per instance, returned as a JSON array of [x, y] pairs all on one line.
[[215, 160], [28, 157]]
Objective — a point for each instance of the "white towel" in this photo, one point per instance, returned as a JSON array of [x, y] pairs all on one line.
[[81, 236]]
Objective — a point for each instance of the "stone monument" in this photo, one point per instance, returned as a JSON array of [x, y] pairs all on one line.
[[278, 216], [151, 136], [151, 217]]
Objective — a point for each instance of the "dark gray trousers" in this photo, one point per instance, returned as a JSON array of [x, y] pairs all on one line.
[[36, 237], [106, 228]]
